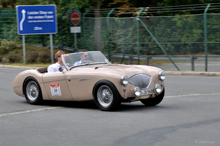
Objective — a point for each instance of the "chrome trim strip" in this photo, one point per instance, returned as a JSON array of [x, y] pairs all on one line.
[[83, 79], [150, 81]]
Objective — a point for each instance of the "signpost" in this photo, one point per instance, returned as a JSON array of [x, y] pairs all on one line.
[[74, 18], [36, 19]]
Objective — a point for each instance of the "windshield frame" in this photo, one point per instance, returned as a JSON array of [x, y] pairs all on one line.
[[94, 58]]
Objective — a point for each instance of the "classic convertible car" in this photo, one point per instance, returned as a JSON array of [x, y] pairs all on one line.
[[94, 78]]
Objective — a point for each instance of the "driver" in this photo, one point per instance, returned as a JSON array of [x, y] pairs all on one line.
[[55, 67], [83, 57]]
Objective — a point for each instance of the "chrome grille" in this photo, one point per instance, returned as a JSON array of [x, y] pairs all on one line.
[[140, 80]]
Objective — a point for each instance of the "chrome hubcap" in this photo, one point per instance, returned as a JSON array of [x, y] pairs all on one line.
[[104, 96], [32, 90]]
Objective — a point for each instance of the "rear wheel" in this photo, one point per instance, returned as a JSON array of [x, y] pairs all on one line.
[[107, 97], [153, 101], [32, 91]]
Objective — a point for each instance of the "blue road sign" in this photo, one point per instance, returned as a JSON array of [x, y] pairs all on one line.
[[36, 19]]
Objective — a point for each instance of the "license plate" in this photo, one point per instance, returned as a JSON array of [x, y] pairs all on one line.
[[147, 91]]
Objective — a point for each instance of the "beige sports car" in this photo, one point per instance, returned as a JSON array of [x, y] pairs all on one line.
[[93, 77]]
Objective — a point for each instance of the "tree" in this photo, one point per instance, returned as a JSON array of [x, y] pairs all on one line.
[[64, 5], [7, 3]]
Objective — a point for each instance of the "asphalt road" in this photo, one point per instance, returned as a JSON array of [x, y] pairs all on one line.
[[189, 115]]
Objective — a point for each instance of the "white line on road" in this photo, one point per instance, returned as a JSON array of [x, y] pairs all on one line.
[[52, 108], [28, 111], [202, 94]]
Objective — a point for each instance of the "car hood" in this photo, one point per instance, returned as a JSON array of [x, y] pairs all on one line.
[[116, 69]]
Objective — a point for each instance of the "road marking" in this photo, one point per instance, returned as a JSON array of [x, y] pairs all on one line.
[[202, 94], [28, 111], [52, 108]]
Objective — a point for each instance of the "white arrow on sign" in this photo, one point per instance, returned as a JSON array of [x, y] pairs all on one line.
[[22, 20]]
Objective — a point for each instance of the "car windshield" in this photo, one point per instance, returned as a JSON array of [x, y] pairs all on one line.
[[84, 58]]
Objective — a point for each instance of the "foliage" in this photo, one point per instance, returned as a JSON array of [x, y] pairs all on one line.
[[9, 50], [5, 60], [7, 3], [179, 35], [12, 51], [133, 3], [180, 5]]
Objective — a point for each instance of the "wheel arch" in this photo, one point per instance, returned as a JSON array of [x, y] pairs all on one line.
[[116, 97], [103, 82], [154, 101]]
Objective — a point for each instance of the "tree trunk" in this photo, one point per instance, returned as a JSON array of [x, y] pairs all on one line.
[[97, 27]]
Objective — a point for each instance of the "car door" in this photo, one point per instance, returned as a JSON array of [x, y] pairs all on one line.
[[80, 84], [56, 86]]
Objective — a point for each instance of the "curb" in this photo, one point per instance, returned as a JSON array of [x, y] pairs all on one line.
[[180, 73], [17, 67], [190, 73]]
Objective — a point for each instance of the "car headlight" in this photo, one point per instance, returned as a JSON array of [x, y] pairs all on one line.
[[158, 88], [162, 75], [124, 80], [137, 91]]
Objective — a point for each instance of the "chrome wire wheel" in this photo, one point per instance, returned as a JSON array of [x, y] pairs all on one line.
[[32, 91], [105, 96]]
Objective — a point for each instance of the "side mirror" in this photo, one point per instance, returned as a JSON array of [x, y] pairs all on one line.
[[60, 69]]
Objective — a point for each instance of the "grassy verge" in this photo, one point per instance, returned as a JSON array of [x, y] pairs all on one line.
[[134, 62], [28, 65]]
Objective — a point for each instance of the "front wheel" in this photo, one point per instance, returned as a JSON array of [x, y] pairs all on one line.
[[32, 91], [153, 101], [107, 97]]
